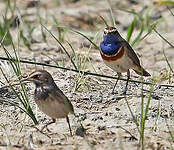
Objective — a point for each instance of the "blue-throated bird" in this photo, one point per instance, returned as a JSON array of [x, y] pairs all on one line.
[[119, 55]]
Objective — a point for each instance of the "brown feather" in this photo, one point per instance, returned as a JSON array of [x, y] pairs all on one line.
[[142, 72], [59, 96]]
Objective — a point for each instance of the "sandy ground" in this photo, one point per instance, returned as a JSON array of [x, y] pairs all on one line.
[[105, 115]]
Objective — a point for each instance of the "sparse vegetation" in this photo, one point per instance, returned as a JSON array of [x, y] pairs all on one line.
[[69, 49]]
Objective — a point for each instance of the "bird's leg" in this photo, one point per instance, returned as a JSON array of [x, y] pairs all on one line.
[[45, 126], [67, 119], [128, 77], [119, 75]]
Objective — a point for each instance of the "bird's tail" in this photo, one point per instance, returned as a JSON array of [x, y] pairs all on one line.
[[142, 72]]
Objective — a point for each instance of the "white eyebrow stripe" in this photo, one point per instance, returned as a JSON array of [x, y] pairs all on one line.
[[35, 73], [109, 31], [106, 30], [113, 30]]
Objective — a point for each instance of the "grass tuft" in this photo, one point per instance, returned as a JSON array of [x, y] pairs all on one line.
[[21, 92]]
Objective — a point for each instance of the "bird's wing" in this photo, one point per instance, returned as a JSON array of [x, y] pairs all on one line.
[[131, 54], [59, 96]]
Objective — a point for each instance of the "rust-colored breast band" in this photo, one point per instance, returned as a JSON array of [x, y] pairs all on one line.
[[115, 57]]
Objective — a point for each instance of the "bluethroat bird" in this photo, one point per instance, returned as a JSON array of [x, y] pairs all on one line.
[[119, 55], [49, 98]]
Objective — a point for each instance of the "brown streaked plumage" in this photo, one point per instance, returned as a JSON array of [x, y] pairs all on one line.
[[49, 98]]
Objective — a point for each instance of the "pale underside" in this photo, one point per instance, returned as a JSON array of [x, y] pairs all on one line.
[[52, 108], [121, 65]]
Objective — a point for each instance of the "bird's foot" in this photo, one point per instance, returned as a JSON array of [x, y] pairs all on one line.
[[45, 127], [125, 91], [41, 131], [114, 92]]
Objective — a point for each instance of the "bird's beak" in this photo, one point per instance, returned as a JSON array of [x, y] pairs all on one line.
[[27, 79]]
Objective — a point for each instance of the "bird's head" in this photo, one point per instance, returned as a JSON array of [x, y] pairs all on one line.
[[111, 35], [40, 77]]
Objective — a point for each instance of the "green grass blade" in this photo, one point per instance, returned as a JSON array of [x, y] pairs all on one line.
[[25, 40], [163, 38], [130, 30], [111, 13], [86, 38], [133, 116], [167, 61], [138, 36], [104, 21], [76, 57], [160, 2], [61, 46]]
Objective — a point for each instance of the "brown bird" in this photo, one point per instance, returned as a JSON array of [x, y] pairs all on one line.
[[49, 98]]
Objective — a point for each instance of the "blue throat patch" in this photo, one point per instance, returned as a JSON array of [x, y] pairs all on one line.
[[110, 46]]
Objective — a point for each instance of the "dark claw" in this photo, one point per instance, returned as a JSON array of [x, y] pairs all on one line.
[[125, 91], [113, 91], [116, 82]]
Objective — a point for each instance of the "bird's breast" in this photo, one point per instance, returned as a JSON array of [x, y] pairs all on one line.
[[119, 54], [110, 48], [50, 103], [53, 108], [41, 93], [119, 62]]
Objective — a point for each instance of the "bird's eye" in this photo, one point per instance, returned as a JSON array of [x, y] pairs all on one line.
[[36, 76], [104, 32]]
